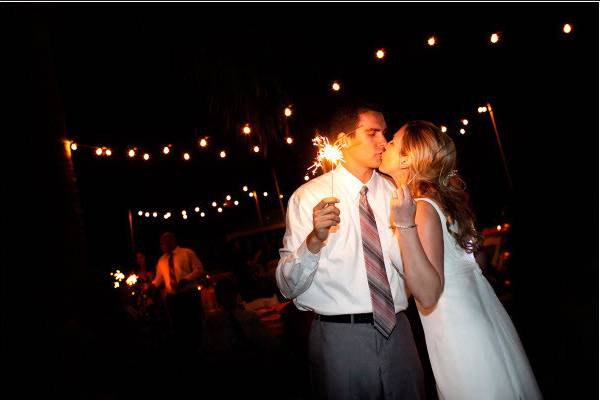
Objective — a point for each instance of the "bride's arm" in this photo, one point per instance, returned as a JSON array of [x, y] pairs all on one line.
[[422, 252]]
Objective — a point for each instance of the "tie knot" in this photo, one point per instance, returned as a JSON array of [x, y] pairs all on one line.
[[364, 190]]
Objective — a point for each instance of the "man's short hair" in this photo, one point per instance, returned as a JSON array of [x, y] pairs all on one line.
[[345, 119]]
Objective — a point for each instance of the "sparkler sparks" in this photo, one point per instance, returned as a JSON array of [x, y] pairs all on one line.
[[328, 152]]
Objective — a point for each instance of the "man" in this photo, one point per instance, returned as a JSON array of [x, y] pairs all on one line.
[[177, 267], [360, 343], [177, 272]]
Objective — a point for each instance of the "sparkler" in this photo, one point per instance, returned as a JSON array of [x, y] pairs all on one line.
[[132, 279], [327, 152]]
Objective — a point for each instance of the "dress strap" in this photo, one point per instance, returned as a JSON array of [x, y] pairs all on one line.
[[437, 208]]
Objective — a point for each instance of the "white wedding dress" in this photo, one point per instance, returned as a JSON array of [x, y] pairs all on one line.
[[473, 347]]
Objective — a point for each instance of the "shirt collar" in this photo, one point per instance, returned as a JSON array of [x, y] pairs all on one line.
[[351, 183]]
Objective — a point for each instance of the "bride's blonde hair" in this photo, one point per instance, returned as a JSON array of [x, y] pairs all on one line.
[[432, 173]]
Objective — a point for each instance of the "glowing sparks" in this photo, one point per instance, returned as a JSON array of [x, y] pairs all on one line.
[[327, 152], [132, 279]]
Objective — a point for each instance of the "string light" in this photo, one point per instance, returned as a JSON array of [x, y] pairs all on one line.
[[73, 146], [246, 129], [197, 209], [131, 153], [444, 129], [380, 54], [494, 38], [155, 214], [306, 177], [203, 142], [462, 131], [140, 213], [228, 198], [567, 28], [222, 154], [288, 111], [108, 152], [335, 86], [202, 214], [220, 209], [245, 188], [265, 194], [251, 194], [431, 41], [289, 140], [98, 151], [147, 214], [236, 202], [256, 149], [185, 216], [214, 204], [281, 196], [186, 156], [167, 215], [166, 150], [465, 122], [146, 156]]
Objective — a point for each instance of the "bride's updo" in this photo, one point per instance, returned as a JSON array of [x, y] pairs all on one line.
[[432, 173]]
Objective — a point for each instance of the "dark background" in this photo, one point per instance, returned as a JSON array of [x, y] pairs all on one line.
[[149, 75]]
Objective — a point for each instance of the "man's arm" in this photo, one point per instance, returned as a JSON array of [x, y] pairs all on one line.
[[159, 279], [197, 267], [305, 235]]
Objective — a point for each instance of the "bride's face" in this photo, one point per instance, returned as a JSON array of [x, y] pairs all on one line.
[[390, 163]]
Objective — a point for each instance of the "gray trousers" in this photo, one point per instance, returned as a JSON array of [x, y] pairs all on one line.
[[354, 361]]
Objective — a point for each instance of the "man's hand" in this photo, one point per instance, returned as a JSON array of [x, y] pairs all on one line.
[[325, 215]]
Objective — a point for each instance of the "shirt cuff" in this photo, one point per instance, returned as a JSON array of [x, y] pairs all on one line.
[[307, 257]]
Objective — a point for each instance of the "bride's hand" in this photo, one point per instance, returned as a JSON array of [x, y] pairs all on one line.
[[403, 207]]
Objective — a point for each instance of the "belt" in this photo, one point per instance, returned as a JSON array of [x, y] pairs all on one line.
[[366, 318]]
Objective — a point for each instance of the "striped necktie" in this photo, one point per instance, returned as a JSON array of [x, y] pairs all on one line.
[[172, 276], [384, 316]]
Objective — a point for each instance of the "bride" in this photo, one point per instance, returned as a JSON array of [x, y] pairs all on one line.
[[474, 350]]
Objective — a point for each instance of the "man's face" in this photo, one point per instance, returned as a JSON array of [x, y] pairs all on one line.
[[167, 244], [366, 146]]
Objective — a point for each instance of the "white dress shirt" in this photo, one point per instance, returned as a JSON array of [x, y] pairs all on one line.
[[334, 281], [186, 264]]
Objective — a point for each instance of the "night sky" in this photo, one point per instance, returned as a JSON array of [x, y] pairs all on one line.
[[156, 74]]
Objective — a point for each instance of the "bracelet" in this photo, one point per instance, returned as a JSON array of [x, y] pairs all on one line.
[[405, 226]]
